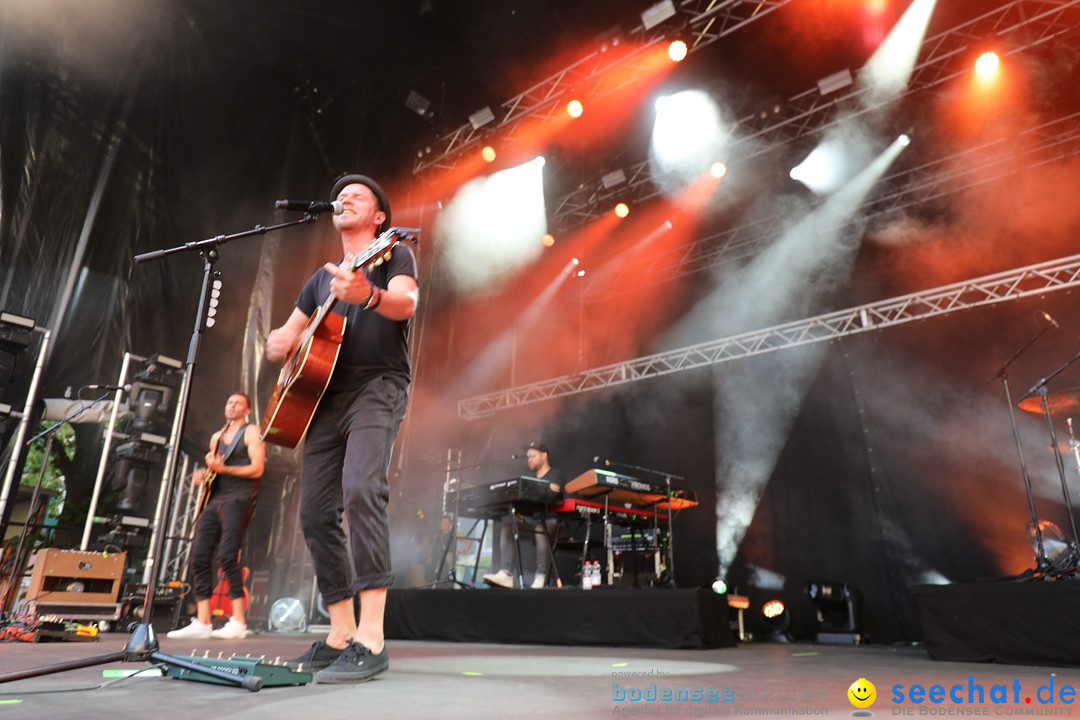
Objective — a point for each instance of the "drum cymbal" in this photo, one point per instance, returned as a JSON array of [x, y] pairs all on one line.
[[1063, 403]]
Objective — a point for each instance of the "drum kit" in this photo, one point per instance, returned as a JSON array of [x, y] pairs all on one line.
[[1055, 553]]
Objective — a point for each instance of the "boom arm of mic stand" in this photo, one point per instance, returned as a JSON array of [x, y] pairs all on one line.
[[221, 239], [1037, 387], [1000, 375]]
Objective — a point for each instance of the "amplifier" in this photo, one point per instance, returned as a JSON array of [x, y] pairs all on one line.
[[76, 576]]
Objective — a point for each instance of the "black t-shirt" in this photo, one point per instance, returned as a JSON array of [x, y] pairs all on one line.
[[373, 345], [556, 476]]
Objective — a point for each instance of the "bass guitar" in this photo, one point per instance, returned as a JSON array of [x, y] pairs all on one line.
[[204, 492], [306, 371]]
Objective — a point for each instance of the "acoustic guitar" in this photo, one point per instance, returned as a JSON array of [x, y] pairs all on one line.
[[306, 371]]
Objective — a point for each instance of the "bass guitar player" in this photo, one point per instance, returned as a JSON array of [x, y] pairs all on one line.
[[230, 485]]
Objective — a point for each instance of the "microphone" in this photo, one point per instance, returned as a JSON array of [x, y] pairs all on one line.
[[125, 388], [597, 459], [311, 206], [1052, 321]]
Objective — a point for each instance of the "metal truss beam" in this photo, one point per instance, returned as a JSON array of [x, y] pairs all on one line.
[[1024, 282], [592, 77], [1020, 25], [1049, 142]]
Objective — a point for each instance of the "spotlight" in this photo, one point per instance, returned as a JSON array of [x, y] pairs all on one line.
[[773, 611], [574, 108], [777, 619], [548, 240], [417, 103], [987, 65], [718, 170], [677, 51], [151, 404], [622, 210], [834, 82], [132, 474], [657, 14], [613, 178], [837, 606], [719, 586], [488, 153], [481, 117]]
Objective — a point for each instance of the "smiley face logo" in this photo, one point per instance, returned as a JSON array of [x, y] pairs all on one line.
[[862, 693]]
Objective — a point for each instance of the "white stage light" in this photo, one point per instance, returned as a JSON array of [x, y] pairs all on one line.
[[688, 133]]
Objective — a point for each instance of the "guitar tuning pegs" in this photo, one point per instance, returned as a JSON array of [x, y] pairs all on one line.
[[387, 255], [378, 261]]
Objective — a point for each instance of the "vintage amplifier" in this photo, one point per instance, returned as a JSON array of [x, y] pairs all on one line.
[[76, 576]]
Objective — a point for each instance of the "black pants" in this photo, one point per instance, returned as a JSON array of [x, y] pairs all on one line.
[[221, 526], [529, 528], [345, 471]]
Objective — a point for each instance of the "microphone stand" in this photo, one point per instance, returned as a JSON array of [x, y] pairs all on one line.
[[1040, 388], [668, 477], [143, 644], [1042, 564]]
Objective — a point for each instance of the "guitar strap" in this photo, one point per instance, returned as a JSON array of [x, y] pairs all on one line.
[[235, 441]]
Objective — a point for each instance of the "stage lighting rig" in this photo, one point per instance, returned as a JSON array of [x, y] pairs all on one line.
[[152, 392], [657, 14], [136, 460], [838, 606], [15, 337]]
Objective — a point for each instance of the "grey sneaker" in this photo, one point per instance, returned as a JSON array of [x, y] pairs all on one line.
[[317, 657], [355, 665]]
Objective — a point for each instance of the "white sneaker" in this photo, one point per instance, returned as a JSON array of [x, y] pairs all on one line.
[[232, 630], [195, 631], [539, 581], [501, 578]]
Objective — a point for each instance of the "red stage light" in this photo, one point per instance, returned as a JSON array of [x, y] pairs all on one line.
[[574, 108]]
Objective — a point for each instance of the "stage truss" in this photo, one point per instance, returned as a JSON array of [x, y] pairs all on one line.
[[1018, 26], [1024, 282]]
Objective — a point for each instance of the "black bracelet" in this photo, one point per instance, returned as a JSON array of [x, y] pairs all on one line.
[[378, 299], [369, 297]]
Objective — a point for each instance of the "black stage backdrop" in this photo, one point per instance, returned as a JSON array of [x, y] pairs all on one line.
[[887, 460]]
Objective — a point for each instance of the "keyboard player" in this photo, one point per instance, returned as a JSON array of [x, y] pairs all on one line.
[[530, 526]]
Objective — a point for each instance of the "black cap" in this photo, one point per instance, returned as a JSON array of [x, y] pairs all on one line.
[[537, 446], [376, 190]]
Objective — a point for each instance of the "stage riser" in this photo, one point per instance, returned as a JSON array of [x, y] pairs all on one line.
[[1022, 623], [669, 618]]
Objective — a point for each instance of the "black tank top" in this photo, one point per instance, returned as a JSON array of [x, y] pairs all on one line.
[[226, 485]]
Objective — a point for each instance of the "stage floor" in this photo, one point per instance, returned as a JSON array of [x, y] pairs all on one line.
[[474, 680]]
